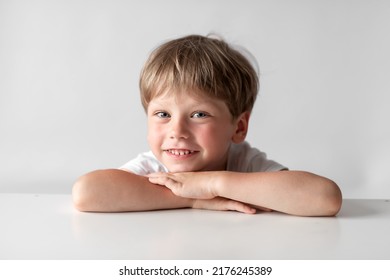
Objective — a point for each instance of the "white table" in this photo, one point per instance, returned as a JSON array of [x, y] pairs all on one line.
[[43, 226]]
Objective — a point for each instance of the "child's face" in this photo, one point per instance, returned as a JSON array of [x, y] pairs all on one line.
[[190, 133]]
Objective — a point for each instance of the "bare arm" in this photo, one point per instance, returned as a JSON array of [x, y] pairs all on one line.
[[114, 190], [293, 192]]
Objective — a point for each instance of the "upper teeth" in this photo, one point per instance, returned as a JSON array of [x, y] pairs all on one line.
[[180, 152]]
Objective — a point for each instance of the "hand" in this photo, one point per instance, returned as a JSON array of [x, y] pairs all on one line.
[[200, 187], [197, 185], [223, 204]]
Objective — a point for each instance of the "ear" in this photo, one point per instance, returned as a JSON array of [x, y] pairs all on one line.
[[242, 123]]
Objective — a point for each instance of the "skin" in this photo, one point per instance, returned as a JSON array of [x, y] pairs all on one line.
[[191, 136]]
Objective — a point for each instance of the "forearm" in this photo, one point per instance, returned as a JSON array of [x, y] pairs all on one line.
[[115, 190], [292, 192]]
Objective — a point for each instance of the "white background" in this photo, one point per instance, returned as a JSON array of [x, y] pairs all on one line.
[[69, 99]]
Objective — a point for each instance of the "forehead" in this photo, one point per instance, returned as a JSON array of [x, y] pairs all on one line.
[[170, 94], [187, 97]]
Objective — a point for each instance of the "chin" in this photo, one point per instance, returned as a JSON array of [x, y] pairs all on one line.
[[175, 169]]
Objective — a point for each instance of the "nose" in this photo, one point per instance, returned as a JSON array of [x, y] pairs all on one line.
[[179, 129]]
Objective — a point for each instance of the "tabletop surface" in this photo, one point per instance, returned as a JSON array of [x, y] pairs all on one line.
[[46, 226]]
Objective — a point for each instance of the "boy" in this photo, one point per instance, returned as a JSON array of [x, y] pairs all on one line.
[[198, 94]]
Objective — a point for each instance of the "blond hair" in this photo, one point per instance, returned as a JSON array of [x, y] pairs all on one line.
[[206, 64]]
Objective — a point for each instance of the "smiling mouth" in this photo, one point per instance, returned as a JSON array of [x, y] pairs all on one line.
[[180, 152]]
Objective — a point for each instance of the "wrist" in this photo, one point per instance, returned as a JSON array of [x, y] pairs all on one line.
[[219, 183]]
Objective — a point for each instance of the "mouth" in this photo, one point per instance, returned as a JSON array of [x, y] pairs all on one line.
[[180, 152]]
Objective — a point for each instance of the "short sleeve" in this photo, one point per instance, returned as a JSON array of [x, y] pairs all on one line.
[[144, 164], [244, 158]]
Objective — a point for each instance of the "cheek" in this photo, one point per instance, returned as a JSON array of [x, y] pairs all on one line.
[[153, 135], [216, 135]]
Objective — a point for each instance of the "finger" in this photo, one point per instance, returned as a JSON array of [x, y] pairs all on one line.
[[159, 180], [240, 207], [223, 204], [162, 178], [261, 208], [157, 174], [171, 184]]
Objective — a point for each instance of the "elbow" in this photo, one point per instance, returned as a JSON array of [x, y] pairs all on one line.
[[332, 199], [81, 193]]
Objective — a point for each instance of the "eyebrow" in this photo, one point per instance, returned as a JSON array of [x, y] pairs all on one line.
[[210, 103]]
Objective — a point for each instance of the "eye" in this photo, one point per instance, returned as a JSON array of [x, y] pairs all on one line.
[[162, 115], [200, 115]]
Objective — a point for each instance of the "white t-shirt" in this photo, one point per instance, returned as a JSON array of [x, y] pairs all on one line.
[[242, 158]]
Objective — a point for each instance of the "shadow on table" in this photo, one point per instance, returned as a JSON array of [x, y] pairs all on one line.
[[358, 208]]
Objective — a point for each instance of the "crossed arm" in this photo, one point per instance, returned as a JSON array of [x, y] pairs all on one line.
[[292, 192]]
